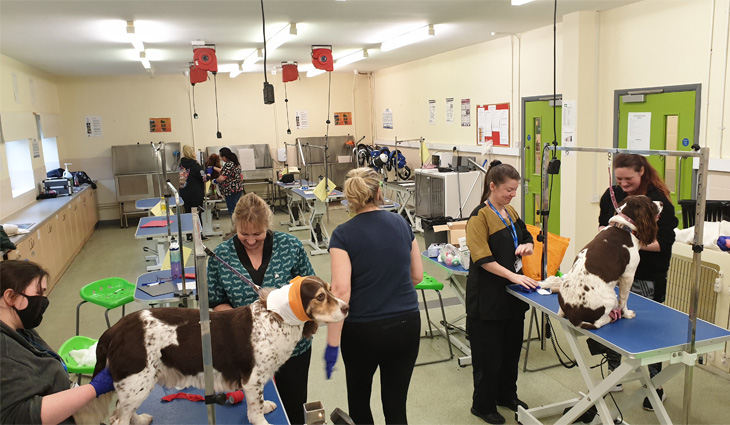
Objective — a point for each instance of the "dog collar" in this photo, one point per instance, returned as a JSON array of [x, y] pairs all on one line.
[[624, 227], [287, 302]]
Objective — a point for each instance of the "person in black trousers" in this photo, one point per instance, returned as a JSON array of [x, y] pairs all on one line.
[[497, 239], [376, 263], [192, 182]]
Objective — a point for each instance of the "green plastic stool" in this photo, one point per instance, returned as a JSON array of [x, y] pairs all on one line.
[[76, 343], [430, 283], [109, 293]]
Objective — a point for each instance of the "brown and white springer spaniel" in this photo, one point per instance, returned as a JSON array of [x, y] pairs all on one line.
[[586, 292], [249, 344]]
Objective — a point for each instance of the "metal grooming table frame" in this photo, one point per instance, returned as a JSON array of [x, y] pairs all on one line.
[[656, 334], [294, 203], [161, 233], [457, 279], [702, 156], [148, 203], [317, 209], [404, 191]]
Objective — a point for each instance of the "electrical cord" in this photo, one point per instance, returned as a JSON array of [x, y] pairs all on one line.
[[217, 123], [569, 363], [604, 360], [263, 24], [286, 102]]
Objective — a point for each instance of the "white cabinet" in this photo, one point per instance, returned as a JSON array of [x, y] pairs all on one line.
[[444, 194]]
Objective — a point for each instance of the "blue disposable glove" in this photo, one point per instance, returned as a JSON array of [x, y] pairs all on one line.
[[215, 181], [722, 243], [103, 382], [330, 358], [210, 170]]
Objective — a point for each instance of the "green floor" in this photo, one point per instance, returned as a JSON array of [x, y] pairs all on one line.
[[439, 393]]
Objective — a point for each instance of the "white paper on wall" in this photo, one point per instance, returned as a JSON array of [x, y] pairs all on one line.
[[639, 131]]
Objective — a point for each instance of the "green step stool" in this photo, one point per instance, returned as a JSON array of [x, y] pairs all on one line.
[[109, 293], [76, 343], [430, 283]]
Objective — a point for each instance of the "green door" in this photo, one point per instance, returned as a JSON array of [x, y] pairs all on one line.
[[672, 127], [539, 131]]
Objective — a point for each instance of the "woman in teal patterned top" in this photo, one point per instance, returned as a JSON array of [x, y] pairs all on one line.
[[271, 259]]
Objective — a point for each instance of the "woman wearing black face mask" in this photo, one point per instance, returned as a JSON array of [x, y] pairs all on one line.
[[35, 384]]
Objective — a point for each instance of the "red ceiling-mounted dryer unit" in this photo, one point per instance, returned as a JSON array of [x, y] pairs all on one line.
[[322, 57], [197, 75], [289, 71], [204, 58]]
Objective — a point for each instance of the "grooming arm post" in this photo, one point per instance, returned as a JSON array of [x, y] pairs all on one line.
[[202, 285], [183, 291]]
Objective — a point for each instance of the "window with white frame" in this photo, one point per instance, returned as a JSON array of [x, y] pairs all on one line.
[[20, 166], [50, 153]]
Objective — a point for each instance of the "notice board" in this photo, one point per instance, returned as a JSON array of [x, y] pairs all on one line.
[[493, 124]]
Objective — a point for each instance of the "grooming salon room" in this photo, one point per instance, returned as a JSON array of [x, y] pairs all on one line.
[[365, 211]]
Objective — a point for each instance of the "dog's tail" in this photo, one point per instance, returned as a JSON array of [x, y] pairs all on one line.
[[96, 411]]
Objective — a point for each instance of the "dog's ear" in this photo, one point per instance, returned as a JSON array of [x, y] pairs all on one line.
[[310, 328], [645, 220]]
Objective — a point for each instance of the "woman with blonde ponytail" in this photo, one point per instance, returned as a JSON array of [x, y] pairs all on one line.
[[375, 265]]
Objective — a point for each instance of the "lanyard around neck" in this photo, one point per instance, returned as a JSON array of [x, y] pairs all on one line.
[[511, 226]]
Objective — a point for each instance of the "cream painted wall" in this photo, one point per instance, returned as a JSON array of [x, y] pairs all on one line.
[[37, 93], [125, 105]]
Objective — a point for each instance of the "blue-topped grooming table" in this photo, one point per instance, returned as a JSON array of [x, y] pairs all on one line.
[[457, 280], [657, 334], [319, 238], [160, 233], [156, 276], [404, 192], [181, 411], [294, 203], [149, 203]]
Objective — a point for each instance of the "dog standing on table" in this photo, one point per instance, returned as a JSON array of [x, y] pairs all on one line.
[[586, 293], [249, 344]]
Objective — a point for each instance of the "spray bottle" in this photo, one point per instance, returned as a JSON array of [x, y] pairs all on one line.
[[175, 266]]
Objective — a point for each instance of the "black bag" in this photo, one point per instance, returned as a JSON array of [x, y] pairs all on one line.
[[5, 243], [55, 174], [287, 178], [80, 177]]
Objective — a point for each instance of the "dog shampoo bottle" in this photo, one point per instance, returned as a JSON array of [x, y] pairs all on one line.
[[175, 266]]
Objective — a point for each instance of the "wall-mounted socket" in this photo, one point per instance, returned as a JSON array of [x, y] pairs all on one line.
[[595, 198]]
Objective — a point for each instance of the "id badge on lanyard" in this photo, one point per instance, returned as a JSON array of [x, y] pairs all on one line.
[[512, 231]]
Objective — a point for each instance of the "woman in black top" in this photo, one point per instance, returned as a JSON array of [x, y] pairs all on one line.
[[635, 176], [192, 180], [497, 239]]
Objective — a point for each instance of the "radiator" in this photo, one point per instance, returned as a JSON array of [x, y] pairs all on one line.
[[680, 286]]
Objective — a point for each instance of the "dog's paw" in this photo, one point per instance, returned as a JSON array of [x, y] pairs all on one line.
[[143, 419], [269, 406], [629, 314], [552, 282]]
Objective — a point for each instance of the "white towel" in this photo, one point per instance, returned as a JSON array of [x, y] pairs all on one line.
[[84, 357]]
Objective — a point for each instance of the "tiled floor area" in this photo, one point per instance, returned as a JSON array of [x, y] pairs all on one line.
[[439, 393]]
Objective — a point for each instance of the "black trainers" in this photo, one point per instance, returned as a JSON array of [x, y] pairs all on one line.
[[647, 404], [492, 417], [512, 404]]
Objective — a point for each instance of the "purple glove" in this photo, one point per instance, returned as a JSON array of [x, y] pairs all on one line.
[[330, 358], [102, 382]]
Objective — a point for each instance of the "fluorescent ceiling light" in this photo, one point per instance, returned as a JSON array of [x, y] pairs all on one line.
[[254, 57], [133, 37], [520, 2], [144, 60], [236, 72], [281, 37], [314, 72], [414, 36], [351, 58]]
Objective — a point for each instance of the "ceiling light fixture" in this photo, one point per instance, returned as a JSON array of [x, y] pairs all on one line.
[[352, 58], [254, 57], [520, 2], [144, 60], [236, 71], [314, 72], [281, 37], [414, 36], [133, 38]]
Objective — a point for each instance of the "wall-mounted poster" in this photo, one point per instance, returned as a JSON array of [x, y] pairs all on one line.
[[466, 112], [160, 125], [388, 119], [449, 110], [432, 112], [302, 119], [343, 118], [93, 126]]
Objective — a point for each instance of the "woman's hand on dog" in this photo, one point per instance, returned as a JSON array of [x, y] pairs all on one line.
[[524, 249]]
